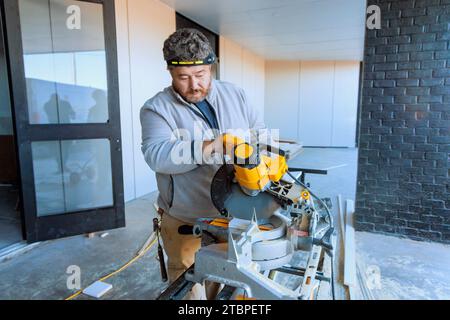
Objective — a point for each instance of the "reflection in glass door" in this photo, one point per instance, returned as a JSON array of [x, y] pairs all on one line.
[[72, 175], [65, 68], [66, 85]]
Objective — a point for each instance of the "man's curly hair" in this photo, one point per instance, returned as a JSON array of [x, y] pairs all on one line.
[[187, 44]]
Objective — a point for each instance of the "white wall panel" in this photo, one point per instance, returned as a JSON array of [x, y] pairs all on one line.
[[345, 103], [282, 97], [249, 75], [260, 83], [253, 78], [316, 103], [243, 68], [231, 62], [150, 23]]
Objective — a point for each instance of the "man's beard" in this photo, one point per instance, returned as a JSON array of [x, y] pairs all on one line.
[[200, 94]]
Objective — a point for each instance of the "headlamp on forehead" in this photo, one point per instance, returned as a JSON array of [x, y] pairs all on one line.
[[210, 59]]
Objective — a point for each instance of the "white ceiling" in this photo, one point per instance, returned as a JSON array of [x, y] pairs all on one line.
[[285, 29]]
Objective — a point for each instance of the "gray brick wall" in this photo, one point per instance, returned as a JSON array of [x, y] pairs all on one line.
[[404, 158]]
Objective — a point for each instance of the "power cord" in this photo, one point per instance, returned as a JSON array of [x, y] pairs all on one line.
[[330, 217]]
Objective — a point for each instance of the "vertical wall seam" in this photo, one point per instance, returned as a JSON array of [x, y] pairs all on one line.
[[131, 98], [299, 70], [333, 100], [242, 68]]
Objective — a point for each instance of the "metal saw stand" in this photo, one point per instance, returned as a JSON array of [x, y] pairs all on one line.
[[316, 283]]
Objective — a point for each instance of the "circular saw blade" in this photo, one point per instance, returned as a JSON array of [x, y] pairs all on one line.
[[229, 198]]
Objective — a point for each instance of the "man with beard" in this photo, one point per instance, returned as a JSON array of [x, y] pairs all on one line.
[[195, 103]]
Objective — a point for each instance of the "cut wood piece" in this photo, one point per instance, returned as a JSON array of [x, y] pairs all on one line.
[[292, 150], [341, 217], [341, 241], [309, 279], [352, 292], [286, 141], [349, 261]]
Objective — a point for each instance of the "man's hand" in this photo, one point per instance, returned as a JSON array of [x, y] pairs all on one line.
[[222, 145], [213, 146]]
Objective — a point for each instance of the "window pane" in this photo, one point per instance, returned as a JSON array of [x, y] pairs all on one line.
[[72, 175], [48, 177], [65, 61]]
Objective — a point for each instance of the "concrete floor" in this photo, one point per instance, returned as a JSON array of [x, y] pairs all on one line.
[[41, 272], [408, 270], [10, 222]]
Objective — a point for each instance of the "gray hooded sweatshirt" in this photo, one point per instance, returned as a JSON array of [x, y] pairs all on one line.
[[170, 131]]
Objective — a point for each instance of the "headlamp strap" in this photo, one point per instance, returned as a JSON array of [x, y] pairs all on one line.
[[210, 59]]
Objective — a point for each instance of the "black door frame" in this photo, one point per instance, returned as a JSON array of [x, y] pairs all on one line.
[[4, 70], [68, 224]]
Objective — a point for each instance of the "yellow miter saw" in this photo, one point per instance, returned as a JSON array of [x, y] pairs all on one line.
[[268, 215]]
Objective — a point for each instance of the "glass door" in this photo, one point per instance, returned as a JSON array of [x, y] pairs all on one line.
[[63, 66], [10, 216]]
